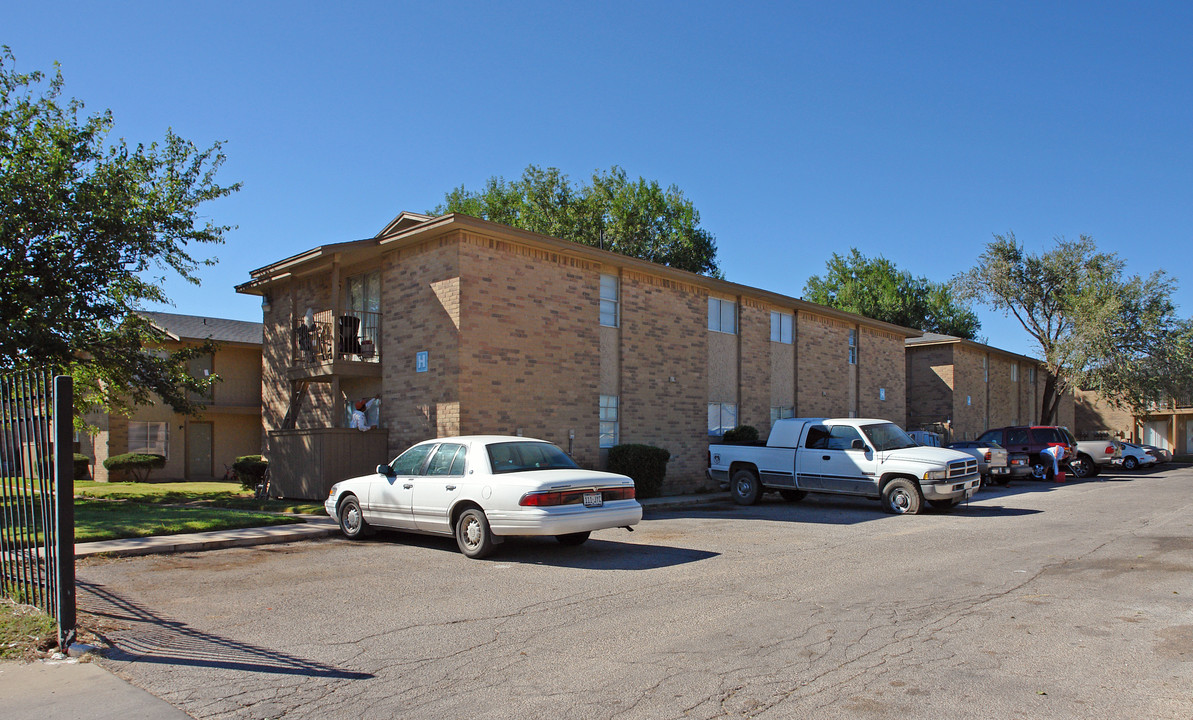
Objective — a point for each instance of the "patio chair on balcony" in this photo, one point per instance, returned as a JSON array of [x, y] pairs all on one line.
[[349, 335]]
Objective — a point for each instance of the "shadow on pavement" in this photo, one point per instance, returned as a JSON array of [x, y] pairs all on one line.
[[151, 638], [596, 554]]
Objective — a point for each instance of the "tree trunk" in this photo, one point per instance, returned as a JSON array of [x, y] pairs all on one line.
[[1051, 403]]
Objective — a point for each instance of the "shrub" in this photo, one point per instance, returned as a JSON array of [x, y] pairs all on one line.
[[82, 466], [741, 435], [136, 464], [250, 470], [646, 464]]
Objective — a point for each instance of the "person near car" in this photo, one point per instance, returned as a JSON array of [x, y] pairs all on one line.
[[1056, 452]]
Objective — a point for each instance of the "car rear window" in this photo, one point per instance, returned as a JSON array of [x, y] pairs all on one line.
[[1048, 435], [510, 457]]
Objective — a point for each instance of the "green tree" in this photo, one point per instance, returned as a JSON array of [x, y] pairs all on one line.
[[877, 289], [632, 217], [1094, 328], [85, 223]]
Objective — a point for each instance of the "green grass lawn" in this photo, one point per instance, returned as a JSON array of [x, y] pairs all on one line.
[[204, 494], [107, 520]]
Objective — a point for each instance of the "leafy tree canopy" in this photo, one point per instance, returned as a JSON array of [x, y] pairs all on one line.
[[85, 222], [877, 289], [1095, 328], [632, 217]]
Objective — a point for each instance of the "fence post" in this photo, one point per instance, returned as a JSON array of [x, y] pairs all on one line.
[[64, 496]]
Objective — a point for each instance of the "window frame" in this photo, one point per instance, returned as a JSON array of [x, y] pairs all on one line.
[[615, 301], [721, 304], [786, 321], [147, 448], [781, 412], [721, 416], [852, 346], [604, 409]]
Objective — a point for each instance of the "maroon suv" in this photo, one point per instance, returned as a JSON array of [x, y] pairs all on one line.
[[1032, 439]]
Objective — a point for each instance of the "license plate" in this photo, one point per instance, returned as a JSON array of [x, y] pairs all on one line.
[[999, 470], [593, 499]]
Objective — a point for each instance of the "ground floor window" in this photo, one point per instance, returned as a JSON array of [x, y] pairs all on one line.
[[779, 412], [721, 417], [609, 424], [150, 438]]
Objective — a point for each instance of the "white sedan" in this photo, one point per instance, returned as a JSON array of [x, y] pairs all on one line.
[[482, 489]]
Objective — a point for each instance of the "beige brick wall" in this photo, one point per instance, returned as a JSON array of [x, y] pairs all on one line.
[[881, 365], [824, 374], [969, 396], [421, 311], [665, 336], [530, 351], [755, 388], [1094, 415]]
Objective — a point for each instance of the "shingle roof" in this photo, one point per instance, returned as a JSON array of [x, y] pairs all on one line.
[[194, 327]]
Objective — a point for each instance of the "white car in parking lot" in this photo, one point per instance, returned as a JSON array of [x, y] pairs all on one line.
[[482, 489], [1135, 456]]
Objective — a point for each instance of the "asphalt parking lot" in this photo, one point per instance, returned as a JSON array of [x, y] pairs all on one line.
[[1033, 601]]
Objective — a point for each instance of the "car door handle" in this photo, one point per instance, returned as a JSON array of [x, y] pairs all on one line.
[[826, 457], [408, 485], [451, 487]]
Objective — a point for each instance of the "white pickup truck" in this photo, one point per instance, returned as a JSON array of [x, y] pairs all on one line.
[[846, 456]]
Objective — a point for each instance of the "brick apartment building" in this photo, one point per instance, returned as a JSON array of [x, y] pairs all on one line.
[[960, 387], [461, 326], [195, 447]]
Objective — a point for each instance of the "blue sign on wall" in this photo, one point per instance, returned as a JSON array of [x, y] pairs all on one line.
[[420, 361]]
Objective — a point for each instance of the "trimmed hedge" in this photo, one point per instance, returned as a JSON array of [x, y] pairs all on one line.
[[136, 464], [646, 464], [741, 435], [82, 466], [250, 470]]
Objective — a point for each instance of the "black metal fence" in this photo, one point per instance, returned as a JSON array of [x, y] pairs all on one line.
[[37, 536]]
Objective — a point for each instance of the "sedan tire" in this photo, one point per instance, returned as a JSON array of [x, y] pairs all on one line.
[[352, 521], [473, 534], [1130, 463]]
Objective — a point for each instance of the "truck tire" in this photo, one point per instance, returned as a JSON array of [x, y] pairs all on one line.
[[1083, 467], [793, 495], [902, 497], [745, 487]]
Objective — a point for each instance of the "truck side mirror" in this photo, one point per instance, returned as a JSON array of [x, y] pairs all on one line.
[[857, 444]]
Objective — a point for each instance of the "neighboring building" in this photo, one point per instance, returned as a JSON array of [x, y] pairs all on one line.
[[195, 447], [1168, 427], [462, 326], [961, 388]]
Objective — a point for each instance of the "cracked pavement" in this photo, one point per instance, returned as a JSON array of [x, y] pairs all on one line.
[[1037, 600]]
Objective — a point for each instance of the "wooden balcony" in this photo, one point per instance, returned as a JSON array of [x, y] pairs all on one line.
[[347, 346]]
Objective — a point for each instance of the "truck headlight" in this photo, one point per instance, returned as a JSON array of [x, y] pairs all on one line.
[[936, 475]]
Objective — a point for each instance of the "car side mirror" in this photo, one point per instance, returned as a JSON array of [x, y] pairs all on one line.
[[385, 470]]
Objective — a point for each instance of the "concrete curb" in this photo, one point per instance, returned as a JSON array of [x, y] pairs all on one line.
[[674, 502], [313, 527]]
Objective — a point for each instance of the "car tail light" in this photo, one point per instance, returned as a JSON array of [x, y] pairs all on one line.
[[987, 456], [550, 498], [1109, 449]]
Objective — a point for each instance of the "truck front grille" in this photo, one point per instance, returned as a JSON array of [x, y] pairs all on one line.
[[961, 468]]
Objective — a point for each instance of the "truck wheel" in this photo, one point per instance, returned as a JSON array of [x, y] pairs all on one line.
[[793, 495], [1083, 467], [901, 497], [745, 487]]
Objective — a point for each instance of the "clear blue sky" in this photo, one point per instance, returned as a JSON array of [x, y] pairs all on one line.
[[909, 130]]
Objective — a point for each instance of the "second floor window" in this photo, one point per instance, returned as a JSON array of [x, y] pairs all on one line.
[[722, 315], [1015, 372], [362, 293], [780, 327], [609, 301], [853, 347]]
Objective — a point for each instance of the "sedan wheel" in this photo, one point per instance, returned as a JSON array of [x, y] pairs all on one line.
[[1130, 463], [473, 534], [352, 522]]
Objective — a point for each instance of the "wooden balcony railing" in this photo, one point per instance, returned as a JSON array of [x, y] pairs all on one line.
[[353, 336]]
